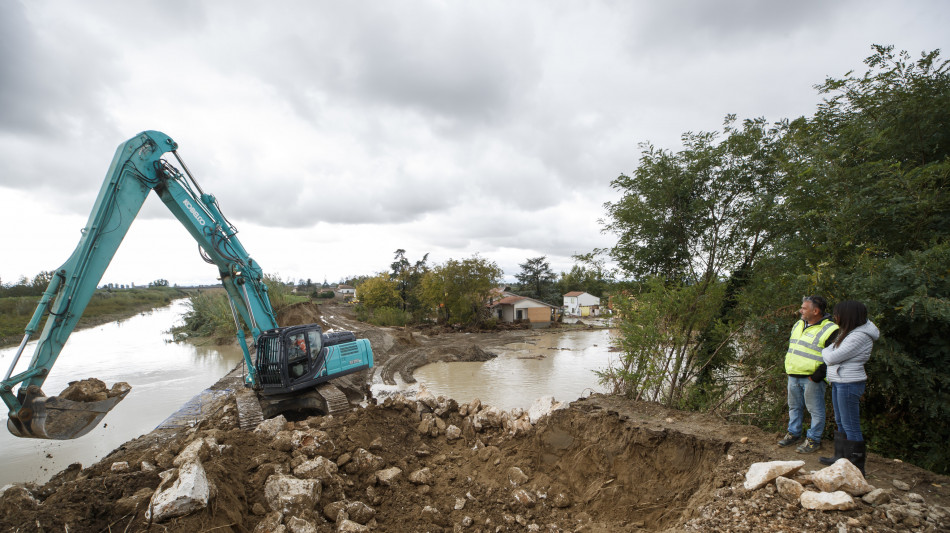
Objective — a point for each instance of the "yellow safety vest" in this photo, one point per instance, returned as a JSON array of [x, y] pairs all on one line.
[[804, 346]]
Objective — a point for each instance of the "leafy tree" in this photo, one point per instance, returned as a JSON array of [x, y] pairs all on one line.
[[379, 292], [460, 290], [356, 281], [408, 278], [589, 274], [873, 187], [537, 280], [159, 283], [692, 225]]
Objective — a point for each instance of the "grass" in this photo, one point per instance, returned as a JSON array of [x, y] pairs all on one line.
[[210, 316], [106, 305]]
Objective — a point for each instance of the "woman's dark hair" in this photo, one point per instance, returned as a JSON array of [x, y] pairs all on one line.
[[849, 314]]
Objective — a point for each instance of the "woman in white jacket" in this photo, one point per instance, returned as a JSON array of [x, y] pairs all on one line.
[[845, 358]]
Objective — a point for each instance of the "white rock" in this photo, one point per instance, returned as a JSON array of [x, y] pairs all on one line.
[[452, 432], [388, 475], [359, 512], [877, 497], [271, 426], [490, 417], [349, 526], [827, 501], [523, 497], [900, 485], [422, 476], [760, 474], [842, 475], [120, 466], [299, 525], [271, 523], [318, 468], [290, 495], [516, 476], [459, 504], [188, 492], [518, 426], [427, 398], [789, 488], [542, 407], [197, 450]]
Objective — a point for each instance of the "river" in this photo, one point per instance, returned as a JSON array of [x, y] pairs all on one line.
[[163, 375]]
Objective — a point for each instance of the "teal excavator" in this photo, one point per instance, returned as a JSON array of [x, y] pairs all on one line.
[[293, 366]]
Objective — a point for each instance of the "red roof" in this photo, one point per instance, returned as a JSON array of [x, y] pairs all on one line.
[[574, 293], [509, 300]]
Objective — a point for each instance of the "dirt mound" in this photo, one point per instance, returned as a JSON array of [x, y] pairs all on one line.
[[92, 390], [434, 465], [301, 313]]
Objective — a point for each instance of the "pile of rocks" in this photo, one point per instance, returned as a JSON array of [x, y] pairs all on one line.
[[842, 487], [319, 474]]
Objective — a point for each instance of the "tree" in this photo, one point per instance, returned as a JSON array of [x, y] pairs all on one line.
[[379, 292], [159, 283], [687, 221], [536, 280], [588, 274], [408, 278], [460, 290], [873, 187]]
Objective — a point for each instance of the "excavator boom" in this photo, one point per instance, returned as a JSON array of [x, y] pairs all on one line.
[[138, 168]]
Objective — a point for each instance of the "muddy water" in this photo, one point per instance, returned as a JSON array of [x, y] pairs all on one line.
[[560, 365], [163, 375]]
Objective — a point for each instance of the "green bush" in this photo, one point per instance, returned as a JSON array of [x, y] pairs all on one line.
[[390, 316]]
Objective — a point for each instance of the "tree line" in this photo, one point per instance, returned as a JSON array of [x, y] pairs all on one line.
[[724, 237], [459, 291]]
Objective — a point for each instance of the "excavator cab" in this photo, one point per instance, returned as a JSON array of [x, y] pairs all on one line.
[[298, 357]]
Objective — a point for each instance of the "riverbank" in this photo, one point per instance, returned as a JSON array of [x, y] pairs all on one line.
[[603, 463], [106, 305], [600, 464]]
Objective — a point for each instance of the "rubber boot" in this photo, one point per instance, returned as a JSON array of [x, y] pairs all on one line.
[[840, 438], [856, 452]]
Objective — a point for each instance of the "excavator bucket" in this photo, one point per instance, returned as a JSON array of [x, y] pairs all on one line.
[[57, 418]]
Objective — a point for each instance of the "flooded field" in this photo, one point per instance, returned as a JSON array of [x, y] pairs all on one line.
[[163, 375], [560, 365]]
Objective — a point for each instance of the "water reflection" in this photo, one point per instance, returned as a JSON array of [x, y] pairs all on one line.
[[560, 365], [163, 375]]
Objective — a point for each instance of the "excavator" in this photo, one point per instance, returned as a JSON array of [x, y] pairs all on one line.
[[293, 368]]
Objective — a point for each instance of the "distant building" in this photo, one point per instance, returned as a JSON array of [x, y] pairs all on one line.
[[517, 308], [345, 289], [578, 303]]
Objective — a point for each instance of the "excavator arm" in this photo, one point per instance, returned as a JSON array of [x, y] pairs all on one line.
[[137, 168]]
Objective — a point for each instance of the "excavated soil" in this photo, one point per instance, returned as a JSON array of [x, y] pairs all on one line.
[[601, 464]]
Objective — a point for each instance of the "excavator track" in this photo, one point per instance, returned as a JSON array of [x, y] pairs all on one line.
[[336, 400], [249, 409]]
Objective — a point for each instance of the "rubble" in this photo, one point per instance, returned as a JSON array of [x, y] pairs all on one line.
[[577, 468]]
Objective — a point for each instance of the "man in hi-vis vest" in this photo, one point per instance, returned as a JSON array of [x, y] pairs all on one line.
[[806, 373]]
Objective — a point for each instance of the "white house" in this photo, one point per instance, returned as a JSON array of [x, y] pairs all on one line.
[[514, 308], [345, 289], [578, 303]]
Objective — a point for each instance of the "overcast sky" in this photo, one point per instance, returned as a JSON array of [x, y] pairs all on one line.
[[333, 133]]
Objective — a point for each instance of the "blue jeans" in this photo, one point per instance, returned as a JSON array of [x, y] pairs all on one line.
[[804, 393], [846, 401]]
